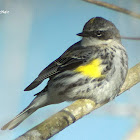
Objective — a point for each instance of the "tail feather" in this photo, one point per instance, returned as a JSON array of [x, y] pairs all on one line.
[[18, 119], [40, 101]]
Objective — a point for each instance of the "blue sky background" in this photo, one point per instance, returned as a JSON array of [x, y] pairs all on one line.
[[35, 33]]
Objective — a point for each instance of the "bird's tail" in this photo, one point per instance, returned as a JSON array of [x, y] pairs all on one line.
[[38, 102], [18, 119]]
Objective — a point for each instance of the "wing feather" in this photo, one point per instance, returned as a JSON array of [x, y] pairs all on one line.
[[70, 59]]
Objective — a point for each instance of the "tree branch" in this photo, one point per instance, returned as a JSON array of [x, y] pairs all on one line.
[[135, 134], [75, 111], [130, 38], [114, 7]]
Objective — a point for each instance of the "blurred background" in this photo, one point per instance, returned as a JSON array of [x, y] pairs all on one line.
[[32, 35]]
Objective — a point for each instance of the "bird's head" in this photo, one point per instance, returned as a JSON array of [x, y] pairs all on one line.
[[100, 29]]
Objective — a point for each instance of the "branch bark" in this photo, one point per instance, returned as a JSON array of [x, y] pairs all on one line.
[[114, 7], [75, 111], [135, 134]]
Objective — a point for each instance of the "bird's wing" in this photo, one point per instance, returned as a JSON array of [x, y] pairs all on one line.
[[70, 59]]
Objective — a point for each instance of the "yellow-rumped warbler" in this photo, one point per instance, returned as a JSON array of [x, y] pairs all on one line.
[[93, 68]]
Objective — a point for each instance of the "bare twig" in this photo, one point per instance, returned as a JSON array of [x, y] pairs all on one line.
[[114, 7], [75, 111], [119, 9], [130, 38]]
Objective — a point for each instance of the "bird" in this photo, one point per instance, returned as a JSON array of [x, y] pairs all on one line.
[[93, 68]]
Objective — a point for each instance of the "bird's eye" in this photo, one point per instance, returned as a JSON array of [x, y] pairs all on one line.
[[99, 33]]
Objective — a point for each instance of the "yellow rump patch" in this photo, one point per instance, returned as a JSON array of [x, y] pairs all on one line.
[[92, 69]]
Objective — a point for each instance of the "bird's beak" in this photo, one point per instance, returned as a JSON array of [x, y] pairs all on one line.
[[83, 34], [80, 34]]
